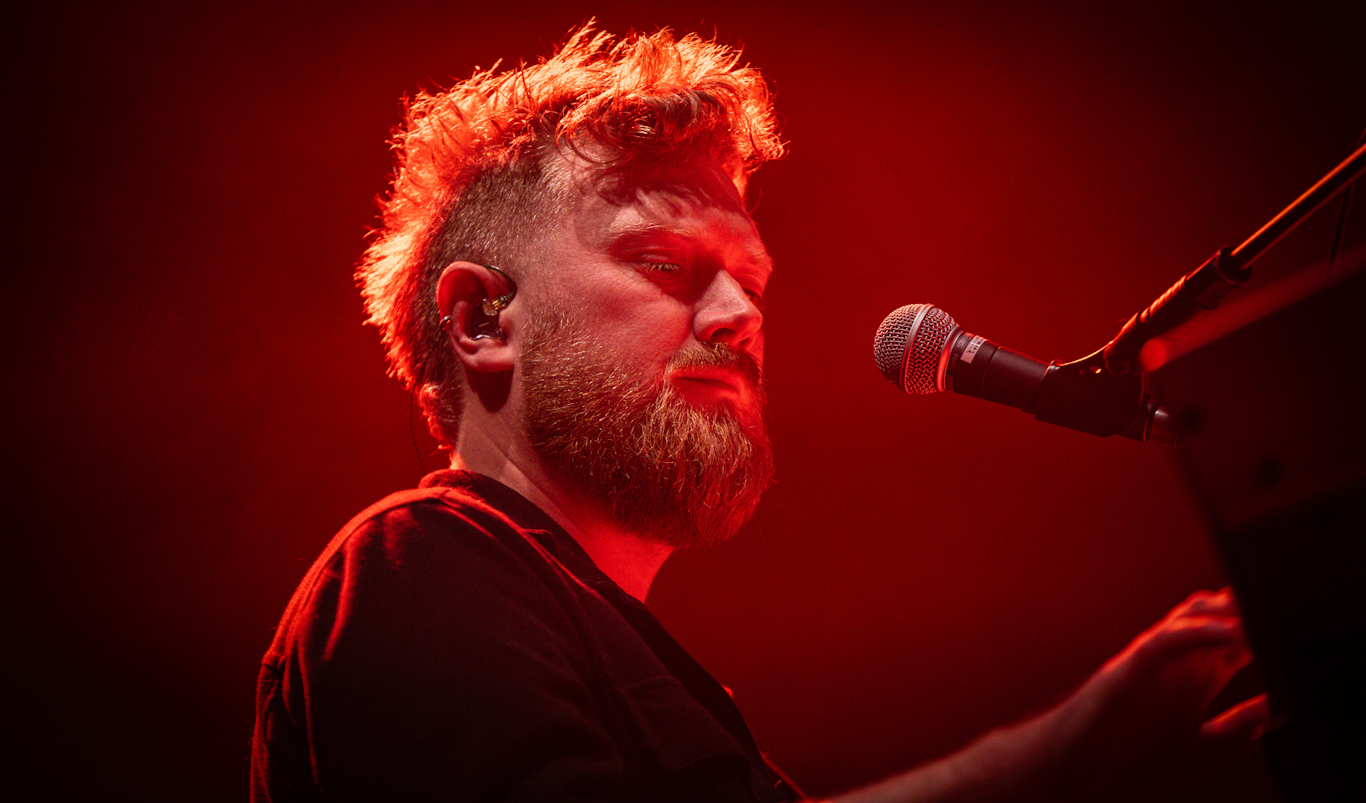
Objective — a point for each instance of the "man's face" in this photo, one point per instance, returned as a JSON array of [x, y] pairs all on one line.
[[642, 361]]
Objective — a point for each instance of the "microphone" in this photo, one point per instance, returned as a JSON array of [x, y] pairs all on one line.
[[922, 349]]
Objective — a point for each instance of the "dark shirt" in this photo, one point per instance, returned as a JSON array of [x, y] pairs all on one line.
[[454, 642]]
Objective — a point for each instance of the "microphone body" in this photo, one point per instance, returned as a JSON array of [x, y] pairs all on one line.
[[978, 367], [922, 349]]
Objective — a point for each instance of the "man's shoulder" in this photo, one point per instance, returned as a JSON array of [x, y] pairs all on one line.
[[419, 551], [427, 511], [432, 618], [436, 517]]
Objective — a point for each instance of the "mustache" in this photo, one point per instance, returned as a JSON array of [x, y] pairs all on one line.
[[721, 356]]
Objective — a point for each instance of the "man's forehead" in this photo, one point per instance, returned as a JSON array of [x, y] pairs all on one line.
[[684, 176], [687, 199]]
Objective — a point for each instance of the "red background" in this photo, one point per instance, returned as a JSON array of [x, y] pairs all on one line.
[[195, 407]]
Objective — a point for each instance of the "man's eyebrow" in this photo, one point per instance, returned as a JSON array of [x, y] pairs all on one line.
[[644, 233]]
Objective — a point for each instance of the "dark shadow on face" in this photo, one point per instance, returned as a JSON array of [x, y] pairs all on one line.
[[679, 182]]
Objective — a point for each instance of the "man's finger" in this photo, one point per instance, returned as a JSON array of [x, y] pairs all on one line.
[[1237, 722], [1195, 632], [1207, 603]]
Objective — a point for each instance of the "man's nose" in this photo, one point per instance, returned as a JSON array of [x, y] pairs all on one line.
[[726, 314]]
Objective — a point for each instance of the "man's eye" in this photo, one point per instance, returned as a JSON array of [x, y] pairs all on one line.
[[654, 266]]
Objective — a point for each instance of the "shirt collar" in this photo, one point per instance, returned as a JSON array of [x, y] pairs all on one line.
[[524, 513]]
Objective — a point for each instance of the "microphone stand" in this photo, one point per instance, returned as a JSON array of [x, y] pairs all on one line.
[[1195, 294], [1103, 393]]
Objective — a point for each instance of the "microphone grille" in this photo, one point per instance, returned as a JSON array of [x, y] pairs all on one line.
[[909, 343]]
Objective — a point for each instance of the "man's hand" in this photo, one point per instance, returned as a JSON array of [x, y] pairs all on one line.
[[1144, 716], [1139, 721]]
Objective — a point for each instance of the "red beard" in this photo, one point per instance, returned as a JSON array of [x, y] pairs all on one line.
[[660, 467]]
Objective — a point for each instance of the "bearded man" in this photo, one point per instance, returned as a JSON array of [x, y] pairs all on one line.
[[569, 281]]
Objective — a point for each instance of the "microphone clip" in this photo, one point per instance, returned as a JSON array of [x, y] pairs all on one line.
[[1084, 395]]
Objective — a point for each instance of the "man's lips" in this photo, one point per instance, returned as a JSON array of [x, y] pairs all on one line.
[[715, 379]]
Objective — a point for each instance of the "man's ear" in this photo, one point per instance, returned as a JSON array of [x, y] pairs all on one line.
[[469, 298]]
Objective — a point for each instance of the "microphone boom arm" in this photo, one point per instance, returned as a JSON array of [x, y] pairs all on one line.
[[1201, 290]]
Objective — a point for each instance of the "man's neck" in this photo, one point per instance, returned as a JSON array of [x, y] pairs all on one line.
[[628, 559]]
